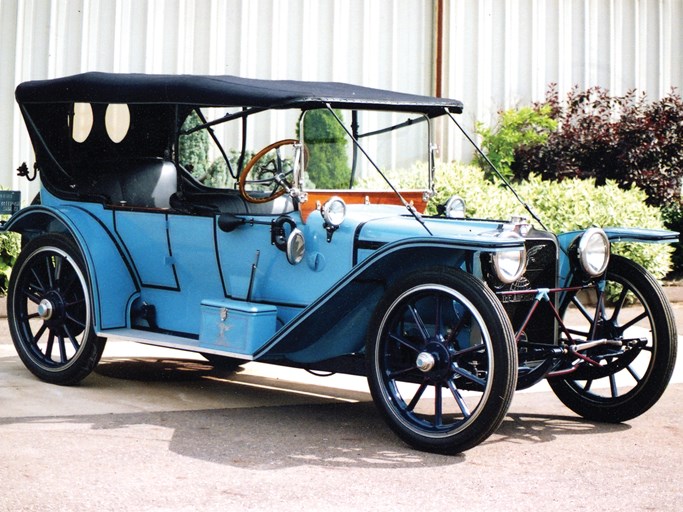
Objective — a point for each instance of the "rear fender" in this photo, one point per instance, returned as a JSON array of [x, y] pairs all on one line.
[[336, 324], [110, 279]]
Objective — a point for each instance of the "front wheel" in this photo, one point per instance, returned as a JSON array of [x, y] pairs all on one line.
[[50, 313], [442, 366], [617, 383]]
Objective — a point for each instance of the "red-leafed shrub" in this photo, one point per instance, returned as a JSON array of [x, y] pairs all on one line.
[[621, 138]]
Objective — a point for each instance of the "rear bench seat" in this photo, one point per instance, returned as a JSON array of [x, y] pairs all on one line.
[[147, 183], [153, 183]]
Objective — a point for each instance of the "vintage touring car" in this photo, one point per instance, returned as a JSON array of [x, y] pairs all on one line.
[[161, 220]]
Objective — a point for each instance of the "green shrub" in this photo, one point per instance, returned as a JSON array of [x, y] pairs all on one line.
[[408, 178], [193, 149], [600, 137], [217, 173], [10, 245], [193, 154], [326, 140], [524, 127], [563, 206], [672, 214]]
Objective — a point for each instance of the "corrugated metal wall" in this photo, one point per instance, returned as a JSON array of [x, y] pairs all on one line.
[[503, 53], [494, 53]]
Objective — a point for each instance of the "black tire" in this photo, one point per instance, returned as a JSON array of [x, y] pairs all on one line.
[[50, 311], [450, 319], [630, 380]]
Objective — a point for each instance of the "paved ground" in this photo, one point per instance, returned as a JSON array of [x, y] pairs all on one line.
[[157, 430]]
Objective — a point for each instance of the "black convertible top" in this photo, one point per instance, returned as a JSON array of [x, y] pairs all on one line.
[[230, 91]]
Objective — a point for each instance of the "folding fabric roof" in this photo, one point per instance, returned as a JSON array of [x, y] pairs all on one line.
[[231, 91]]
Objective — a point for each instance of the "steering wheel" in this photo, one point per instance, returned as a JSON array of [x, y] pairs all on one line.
[[271, 176]]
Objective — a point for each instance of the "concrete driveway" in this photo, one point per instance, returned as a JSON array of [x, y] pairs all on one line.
[[155, 430]]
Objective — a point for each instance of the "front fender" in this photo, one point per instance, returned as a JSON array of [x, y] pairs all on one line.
[[641, 235], [336, 323], [111, 283], [624, 235]]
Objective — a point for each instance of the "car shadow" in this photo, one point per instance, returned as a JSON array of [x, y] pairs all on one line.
[[543, 428], [324, 430]]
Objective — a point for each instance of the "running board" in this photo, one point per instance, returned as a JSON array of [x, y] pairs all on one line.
[[168, 341]]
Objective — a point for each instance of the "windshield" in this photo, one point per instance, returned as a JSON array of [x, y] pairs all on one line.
[[216, 145]]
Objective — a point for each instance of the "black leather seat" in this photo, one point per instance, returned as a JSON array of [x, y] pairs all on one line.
[[147, 183]]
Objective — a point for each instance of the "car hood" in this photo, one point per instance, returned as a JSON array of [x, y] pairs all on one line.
[[392, 224]]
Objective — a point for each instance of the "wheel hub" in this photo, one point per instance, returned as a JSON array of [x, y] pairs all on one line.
[[434, 361], [51, 308], [45, 309], [607, 329], [425, 361]]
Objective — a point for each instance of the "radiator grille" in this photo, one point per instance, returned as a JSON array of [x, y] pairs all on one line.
[[540, 272]]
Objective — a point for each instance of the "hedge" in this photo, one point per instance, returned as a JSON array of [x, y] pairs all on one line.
[[562, 206]]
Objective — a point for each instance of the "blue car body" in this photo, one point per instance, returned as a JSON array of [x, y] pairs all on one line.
[[183, 262], [264, 269]]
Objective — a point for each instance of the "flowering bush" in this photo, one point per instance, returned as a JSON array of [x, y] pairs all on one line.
[[562, 206]]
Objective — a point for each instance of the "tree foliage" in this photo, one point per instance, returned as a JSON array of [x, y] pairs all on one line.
[[193, 150], [325, 138], [525, 127]]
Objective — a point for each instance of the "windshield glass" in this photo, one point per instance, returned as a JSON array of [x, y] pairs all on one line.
[[397, 144]]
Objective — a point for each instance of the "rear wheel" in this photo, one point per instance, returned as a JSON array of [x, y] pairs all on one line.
[[629, 379], [49, 310], [441, 360]]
